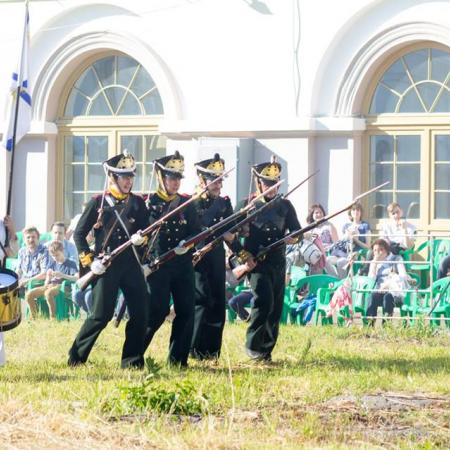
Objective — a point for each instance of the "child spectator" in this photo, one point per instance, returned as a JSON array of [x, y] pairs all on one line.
[[354, 240], [327, 234], [390, 280], [59, 269], [326, 231], [397, 231], [58, 234]]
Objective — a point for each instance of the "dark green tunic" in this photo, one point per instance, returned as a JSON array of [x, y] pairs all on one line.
[[124, 274], [174, 279], [210, 282], [267, 280]]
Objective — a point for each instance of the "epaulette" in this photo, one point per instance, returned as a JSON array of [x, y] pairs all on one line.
[[184, 195], [225, 197], [96, 197]]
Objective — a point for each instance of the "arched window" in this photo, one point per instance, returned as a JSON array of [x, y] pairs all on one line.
[[409, 138], [112, 105], [114, 86], [418, 82]]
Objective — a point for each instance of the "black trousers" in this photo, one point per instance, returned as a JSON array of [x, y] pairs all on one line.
[[209, 319], [175, 280], [124, 274], [267, 283], [384, 299]]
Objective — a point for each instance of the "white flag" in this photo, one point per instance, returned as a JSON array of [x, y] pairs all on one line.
[[19, 78]]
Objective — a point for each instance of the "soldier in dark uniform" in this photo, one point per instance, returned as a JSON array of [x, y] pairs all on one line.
[[109, 214], [176, 277], [210, 271], [267, 279]]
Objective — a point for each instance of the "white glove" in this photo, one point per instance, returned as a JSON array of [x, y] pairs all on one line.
[[179, 249], [137, 239], [97, 267], [146, 270]]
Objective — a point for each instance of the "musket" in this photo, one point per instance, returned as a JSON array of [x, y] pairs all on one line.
[[199, 254], [205, 234], [107, 260], [297, 233]]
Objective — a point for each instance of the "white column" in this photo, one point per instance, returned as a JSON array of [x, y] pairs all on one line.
[[294, 155]]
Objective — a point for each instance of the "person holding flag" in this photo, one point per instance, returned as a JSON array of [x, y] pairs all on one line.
[[17, 125]]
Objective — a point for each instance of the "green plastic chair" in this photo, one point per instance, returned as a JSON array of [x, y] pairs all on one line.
[[297, 273], [357, 263], [41, 303], [45, 237], [324, 296], [65, 308], [315, 282], [11, 263], [436, 247], [359, 298], [442, 250], [411, 301], [19, 235], [442, 309]]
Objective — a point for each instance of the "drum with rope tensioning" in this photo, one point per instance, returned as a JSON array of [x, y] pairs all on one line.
[[10, 310]]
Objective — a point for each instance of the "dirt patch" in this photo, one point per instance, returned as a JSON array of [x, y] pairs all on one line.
[[386, 401], [23, 428], [388, 418]]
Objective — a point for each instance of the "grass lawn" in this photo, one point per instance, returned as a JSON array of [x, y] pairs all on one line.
[[326, 388]]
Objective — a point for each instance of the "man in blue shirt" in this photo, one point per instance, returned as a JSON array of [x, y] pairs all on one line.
[[33, 259], [59, 269], [58, 231]]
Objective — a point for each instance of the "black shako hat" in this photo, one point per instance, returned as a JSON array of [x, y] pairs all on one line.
[[122, 164], [211, 168], [268, 172], [170, 165]]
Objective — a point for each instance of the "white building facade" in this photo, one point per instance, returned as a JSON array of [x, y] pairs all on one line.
[[358, 89]]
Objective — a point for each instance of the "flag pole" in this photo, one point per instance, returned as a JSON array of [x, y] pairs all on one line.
[[13, 148], [22, 67]]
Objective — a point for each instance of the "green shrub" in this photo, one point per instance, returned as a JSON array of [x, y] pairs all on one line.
[[154, 395]]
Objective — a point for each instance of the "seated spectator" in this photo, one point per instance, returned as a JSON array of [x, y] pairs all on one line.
[[59, 269], [390, 280], [355, 230], [238, 303], [326, 233], [83, 299], [33, 259], [58, 231], [397, 231], [353, 241]]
